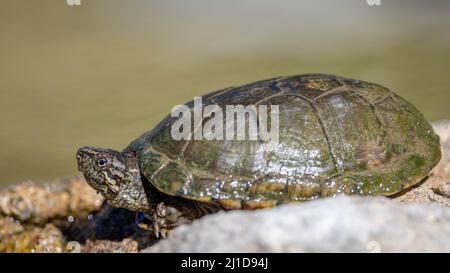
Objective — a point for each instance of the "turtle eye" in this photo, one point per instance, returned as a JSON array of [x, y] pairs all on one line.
[[102, 162]]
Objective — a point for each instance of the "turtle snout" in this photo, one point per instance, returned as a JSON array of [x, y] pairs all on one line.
[[82, 155]]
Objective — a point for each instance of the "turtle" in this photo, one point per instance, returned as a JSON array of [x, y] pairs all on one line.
[[337, 136]]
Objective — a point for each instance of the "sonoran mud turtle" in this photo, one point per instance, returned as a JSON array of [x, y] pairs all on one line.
[[336, 136]]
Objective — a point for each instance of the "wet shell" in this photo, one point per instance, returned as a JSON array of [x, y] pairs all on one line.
[[336, 135]]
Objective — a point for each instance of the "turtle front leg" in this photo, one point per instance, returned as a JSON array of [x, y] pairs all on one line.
[[168, 216], [162, 221], [171, 213]]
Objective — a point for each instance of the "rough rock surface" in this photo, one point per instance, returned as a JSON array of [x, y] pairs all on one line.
[[68, 216], [14, 237], [37, 203], [65, 216], [344, 224], [107, 246]]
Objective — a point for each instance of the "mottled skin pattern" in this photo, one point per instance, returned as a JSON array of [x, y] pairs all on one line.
[[118, 178], [337, 136]]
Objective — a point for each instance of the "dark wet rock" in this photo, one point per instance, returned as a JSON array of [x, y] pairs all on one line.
[[109, 224]]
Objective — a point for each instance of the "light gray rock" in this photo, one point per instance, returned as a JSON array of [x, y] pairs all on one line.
[[344, 224]]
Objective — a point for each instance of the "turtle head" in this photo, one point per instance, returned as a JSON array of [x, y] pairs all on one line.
[[115, 175]]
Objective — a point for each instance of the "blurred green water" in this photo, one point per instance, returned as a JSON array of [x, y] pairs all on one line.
[[104, 72]]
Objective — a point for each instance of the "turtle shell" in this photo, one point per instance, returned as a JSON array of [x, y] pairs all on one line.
[[336, 135]]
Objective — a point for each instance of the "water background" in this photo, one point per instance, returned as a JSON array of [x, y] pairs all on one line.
[[106, 71]]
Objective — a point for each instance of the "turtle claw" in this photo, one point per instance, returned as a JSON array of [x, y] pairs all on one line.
[[147, 223], [164, 233], [160, 232], [156, 229]]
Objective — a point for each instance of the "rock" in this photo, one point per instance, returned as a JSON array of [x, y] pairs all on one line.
[[38, 203], [109, 230], [16, 238], [65, 216], [105, 246], [443, 189], [343, 224], [109, 224], [8, 228]]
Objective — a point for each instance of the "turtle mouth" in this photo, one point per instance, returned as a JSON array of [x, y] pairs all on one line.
[[100, 188], [83, 161]]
